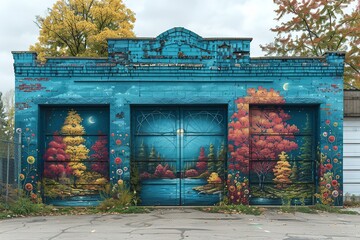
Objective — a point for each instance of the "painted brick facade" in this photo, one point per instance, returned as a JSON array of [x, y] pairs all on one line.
[[181, 68]]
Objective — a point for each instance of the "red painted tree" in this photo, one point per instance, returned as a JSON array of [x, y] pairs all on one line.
[[201, 165], [100, 155], [271, 133], [56, 158]]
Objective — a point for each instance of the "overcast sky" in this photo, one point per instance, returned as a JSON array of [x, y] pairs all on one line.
[[208, 18]]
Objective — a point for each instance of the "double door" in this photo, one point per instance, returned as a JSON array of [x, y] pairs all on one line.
[[180, 153]]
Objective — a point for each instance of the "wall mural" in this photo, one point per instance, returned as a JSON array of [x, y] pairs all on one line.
[[76, 155], [180, 155], [272, 150]]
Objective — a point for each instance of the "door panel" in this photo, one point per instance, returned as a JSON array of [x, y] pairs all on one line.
[[75, 154], [180, 154], [282, 154]]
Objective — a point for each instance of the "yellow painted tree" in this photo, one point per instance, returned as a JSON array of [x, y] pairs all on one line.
[[75, 148], [282, 171], [81, 27]]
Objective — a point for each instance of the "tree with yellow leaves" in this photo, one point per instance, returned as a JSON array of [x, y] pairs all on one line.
[[81, 27], [75, 148], [282, 171]]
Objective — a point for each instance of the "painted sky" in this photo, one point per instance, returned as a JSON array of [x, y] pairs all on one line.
[[208, 18]]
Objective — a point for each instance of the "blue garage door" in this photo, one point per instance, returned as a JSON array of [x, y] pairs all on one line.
[[180, 154]]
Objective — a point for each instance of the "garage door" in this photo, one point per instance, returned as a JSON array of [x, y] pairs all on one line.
[[180, 154], [282, 154]]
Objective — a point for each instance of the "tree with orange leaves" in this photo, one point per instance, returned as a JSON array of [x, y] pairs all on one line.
[[271, 133], [313, 27]]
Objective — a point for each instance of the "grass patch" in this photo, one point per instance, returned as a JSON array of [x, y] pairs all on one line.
[[111, 205], [233, 209], [294, 209], [331, 209]]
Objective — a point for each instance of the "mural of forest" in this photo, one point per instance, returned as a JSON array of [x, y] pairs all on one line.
[[180, 166], [76, 155], [272, 150]]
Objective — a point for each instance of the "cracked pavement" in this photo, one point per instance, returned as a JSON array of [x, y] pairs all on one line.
[[183, 223]]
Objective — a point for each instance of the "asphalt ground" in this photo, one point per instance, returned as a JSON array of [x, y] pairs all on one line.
[[183, 223]]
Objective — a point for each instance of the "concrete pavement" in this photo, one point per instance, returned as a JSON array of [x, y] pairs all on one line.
[[183, 223]]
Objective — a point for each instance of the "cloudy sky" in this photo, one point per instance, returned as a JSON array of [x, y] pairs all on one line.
[[208, 18]]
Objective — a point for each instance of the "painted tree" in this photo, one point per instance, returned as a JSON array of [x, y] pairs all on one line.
[[81, 27], [265, 146], [152, 160], [201, 164], [141, 157], [56, 159], [75, 148], [100, 156], [294, 172], [305, 157], [282, 171], [313, 27], [271, 134], [221, 160], [211, 159]]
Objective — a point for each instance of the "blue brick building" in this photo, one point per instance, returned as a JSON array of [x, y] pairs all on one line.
[[182, 120]]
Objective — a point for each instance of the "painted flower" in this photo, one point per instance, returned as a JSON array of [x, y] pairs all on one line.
[[337, 176], [29, 187], [118, 142], [30, 160], [328, 185], [246, 191], [336, 160], [120, 182], [327, 121], [112, 134], [325, 134], [335, 148], [119, 171], [21, 177], [118, 160], [331, 138], [33, 196], [325, 194], [326, 147], [125, 169], [334, 183], [335, 124], [112, 151], [232, 188], [335, 193], [329, 166]]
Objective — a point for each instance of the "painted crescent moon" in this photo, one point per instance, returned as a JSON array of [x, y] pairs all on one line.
[[91, 120], [286, 86]]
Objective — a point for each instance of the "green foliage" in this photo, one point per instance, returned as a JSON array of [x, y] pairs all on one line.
[[135, 185], [294, 209], [24, 206], [81, 27], [116, 206], [233, 209], [211, 159], [331, 209], [311, 28], [3, 122], [118, 197]]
